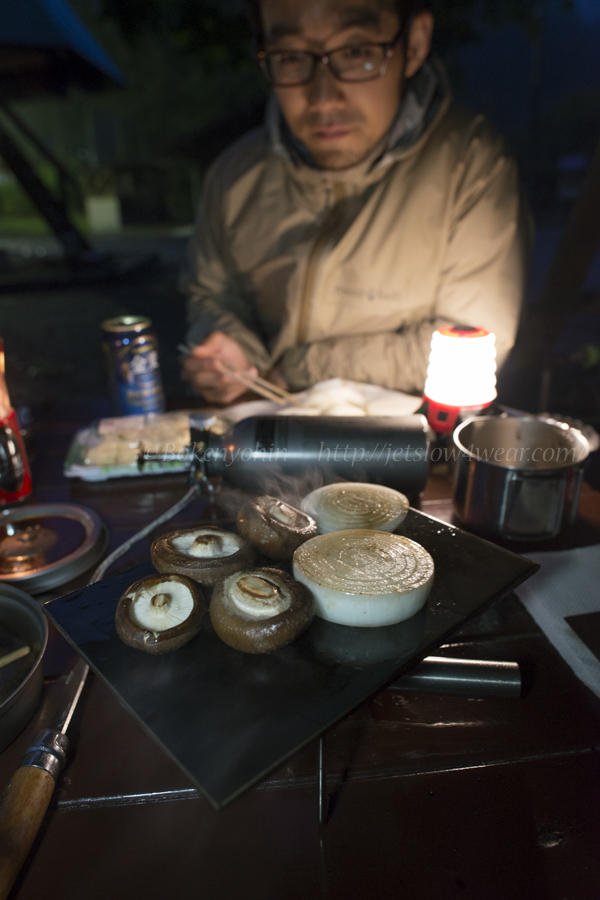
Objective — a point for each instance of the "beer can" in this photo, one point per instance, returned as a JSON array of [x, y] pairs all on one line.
[[131, 351]]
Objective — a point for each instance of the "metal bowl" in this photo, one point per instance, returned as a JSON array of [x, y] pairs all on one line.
[[21, 616], [518, 478]]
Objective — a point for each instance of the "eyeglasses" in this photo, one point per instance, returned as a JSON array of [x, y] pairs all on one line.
[[352, 63]]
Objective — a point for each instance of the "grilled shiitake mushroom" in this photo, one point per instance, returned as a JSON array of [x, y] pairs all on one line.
[[207, 554], [160, 613], [274, 527], [259, 610]]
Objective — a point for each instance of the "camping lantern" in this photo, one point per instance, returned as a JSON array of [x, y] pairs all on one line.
[[461, 374]]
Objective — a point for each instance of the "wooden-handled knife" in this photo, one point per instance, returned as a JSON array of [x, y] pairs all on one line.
[[25, 801]]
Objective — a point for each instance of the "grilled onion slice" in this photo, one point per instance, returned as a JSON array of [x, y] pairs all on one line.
[[337, 507], [259, 610], [365, 578]]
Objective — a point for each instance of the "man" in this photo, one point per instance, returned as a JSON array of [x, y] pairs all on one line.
[[363, 216]]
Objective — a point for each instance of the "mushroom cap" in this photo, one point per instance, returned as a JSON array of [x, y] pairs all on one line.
[[239, 630], [170, 554], [274, 527], [158, 642]]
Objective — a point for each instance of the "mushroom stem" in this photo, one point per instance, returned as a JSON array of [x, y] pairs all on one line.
[[281, 512], [258, 587], [159, 601], [208, 540]]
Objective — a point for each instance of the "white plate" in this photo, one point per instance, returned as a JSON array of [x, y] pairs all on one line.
[[370, 392]]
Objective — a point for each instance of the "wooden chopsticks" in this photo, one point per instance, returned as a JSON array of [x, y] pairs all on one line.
[[14, 656], [257, 384]]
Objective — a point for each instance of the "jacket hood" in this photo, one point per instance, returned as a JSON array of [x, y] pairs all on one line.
[[426, 99]]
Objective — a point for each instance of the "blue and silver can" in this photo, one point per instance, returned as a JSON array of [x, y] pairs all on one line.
[[131, 351]]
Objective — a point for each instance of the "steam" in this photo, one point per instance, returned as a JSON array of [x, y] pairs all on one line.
[[290, 489]]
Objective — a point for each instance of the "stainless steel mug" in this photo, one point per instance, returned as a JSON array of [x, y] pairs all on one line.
[[518, 478]]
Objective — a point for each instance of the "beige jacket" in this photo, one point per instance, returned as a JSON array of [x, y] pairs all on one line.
[[349, 273]]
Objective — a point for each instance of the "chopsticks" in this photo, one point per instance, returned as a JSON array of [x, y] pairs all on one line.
[[257, 384], [14, 656]]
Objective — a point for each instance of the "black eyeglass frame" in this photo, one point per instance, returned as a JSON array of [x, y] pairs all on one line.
[[388, 48]]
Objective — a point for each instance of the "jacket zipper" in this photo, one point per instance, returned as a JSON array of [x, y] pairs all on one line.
[[336, 194]]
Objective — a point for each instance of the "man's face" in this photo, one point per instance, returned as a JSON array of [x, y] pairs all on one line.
[[338, 122]]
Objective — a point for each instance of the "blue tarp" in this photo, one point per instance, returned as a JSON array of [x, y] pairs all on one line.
[[52, 25]]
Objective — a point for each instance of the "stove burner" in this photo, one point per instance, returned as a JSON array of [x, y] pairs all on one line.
[[44, 546]]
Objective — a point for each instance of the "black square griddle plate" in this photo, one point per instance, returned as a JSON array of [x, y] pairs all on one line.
[[228, 718]]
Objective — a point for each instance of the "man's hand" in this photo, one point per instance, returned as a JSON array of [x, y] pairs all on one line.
[[202, 368]]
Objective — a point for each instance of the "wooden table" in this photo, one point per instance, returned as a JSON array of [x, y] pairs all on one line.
[[431, 798]]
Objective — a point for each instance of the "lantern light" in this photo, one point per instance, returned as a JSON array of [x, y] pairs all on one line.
[[461, 374]]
